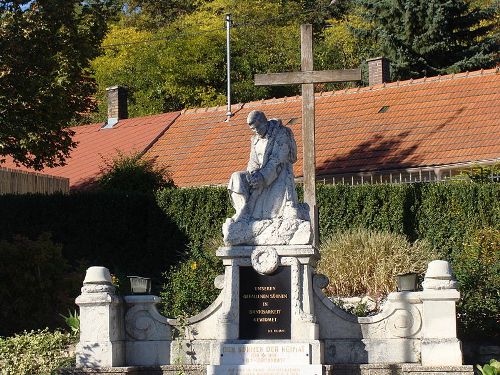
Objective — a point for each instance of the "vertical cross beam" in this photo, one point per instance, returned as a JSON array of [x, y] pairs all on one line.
[[307, 77], [308, 130]]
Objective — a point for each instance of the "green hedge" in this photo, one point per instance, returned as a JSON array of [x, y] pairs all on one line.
[[127, 233], [443, 213], [133, 233], [197, 212]]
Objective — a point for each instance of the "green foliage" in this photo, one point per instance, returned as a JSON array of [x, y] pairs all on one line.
[[36, 352], [35, 284], [133, 173], [197, 212], [72, 320], [448, 214], [46, 48], [186, 66], [151, 14], [430, 37], [364, 262], [491, 368], [125, 232], [477, 268], [387, 208], [480, 173], [189, 286]]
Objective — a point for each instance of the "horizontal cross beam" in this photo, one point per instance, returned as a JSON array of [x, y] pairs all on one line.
[[291, 78]]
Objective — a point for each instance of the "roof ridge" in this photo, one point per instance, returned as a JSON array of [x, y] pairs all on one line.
[[355, 90], [411, 81], [234, 107]]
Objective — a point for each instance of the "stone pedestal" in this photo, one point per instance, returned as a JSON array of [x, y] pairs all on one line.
[[267, 316], [294, 290], [440, 346], [101, 322]]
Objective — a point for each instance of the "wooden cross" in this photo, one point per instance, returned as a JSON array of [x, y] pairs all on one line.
[[307, 77]]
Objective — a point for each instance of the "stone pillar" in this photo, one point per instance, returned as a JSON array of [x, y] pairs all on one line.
[[101, 322], [440, 346], [228, 320]]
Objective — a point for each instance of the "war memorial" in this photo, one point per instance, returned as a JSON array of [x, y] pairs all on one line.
[[271, 316]]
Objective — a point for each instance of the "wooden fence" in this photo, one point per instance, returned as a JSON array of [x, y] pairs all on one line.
[[19, 182]]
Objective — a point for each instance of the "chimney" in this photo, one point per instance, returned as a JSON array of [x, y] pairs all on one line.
[[378, 71], [117, 105]]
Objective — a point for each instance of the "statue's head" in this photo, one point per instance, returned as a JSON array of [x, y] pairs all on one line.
[[257, 121]]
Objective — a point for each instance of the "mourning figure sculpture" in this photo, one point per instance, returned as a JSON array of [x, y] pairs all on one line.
[[264, 196]]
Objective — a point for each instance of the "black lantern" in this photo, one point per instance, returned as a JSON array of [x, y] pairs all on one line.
[[407, 282], [140, 285]]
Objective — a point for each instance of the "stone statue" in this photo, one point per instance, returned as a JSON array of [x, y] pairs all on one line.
[[264, 196]]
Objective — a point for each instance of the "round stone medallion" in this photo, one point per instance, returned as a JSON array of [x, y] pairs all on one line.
[[265, 260]]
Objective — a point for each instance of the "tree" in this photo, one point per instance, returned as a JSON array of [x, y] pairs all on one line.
[[183, 64], [152, 14], [430, 37], [45, 77]]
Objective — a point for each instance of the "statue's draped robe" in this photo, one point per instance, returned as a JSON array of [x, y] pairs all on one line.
[[273, 157]]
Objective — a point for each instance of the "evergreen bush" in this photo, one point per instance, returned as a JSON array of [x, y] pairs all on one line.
[[36, 284], [477, 269], [189, 286], [361, 262], [133, 173], [125, 232], [36, 352], [197, 212]]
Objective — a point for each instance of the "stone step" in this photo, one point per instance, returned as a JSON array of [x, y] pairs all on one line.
[[340, 369]]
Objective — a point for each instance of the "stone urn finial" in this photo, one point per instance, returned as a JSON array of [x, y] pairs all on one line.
[[439, 276], [98, 280]]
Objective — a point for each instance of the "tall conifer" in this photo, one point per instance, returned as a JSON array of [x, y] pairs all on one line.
[[430, 37]]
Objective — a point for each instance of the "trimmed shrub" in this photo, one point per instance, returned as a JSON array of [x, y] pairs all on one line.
[[125, 232], [189, 286], [36, 352], [366, 262], [448, 214], [197, 212], [36, 284], [477, 269], [389, 208]]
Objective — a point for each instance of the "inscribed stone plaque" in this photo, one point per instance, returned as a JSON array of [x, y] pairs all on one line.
[[275, 354], [265, 307]]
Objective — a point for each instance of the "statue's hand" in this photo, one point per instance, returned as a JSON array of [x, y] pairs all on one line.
[[256, 180]]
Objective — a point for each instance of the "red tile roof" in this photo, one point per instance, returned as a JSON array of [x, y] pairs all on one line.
[[96, 144], [427, 122]]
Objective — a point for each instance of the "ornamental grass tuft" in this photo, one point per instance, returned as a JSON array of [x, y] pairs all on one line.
[[365, 262]]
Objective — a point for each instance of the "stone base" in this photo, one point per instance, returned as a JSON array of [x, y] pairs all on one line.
[[346, 369], [269, 352], [397, 350], [397, 369], [100, 354], [137, 370], [439, 352], [149, 353], [267, 232]]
